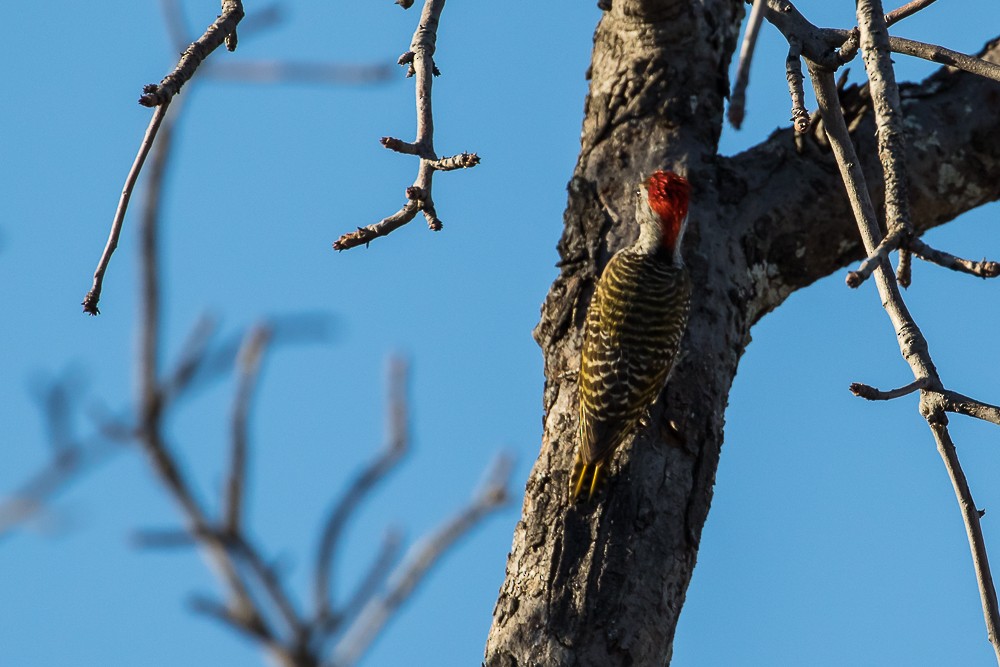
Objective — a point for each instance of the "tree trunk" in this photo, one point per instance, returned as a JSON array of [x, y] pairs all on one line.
[[605, 585]]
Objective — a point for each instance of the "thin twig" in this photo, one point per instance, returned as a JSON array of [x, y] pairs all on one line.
[[192, 358], [912, 344], [909, 9], [888, 120], [872, 394], [94, 295], [251, 353], [952, 401], [904, 267], [420, 558], [875, 259], [818, 45], [970, 514], [363, 484], [365, 235], [833, 47], [983, 269], [460, 161], [936, 54], [69, 457], [369, 585], [737, 99], [222, 30], [268, 580], [65, 466], [419, 61], [793, 73]]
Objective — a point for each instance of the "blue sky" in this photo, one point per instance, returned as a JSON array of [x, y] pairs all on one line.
[[834, 536]]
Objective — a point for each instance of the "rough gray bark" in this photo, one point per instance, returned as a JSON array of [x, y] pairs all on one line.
[[606, 586]]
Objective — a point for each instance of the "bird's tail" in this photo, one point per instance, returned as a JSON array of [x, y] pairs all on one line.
[[587, 480]]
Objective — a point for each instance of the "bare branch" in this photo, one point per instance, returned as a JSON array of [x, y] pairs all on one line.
[[913, 346], [872, 394], [365, 235], [793, 72], [199, 361], [377, 573], [888, 118], [460, 161], [875, 259], [904, 272], [939, 54], [363, 484], [94, 295], [65, 466], [421, 557], [400, 146], [254, 345], [817, 45], [909, 9], [222, 30], [970, 514], [419, 61], [69, 457], [267, 578], [737, 99], [193, 355], [952, 401], [249, 626], [832, 47], [983, 269], [932, 52]]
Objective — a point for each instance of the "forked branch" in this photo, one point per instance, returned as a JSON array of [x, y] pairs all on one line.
[[913, 346], [419, 61]]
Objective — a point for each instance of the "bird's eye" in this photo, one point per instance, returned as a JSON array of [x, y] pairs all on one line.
[[638, 192]]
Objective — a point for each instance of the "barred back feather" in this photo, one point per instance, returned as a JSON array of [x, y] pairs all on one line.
[[634, 327]]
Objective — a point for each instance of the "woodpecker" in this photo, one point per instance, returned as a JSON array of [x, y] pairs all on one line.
[[633, 330]]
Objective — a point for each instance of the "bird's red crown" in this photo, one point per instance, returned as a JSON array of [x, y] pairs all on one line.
[[669, 195]]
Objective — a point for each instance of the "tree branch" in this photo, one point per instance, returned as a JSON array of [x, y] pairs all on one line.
[[913, 347], [421, 557], [983, 269], [398, 439], [254, 347], [793, 73], [909, 9], [943, 56], [872, 394], [737, 99], [369, 585], [94, 295], [419, 61], [952, 401], [223, 29]]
